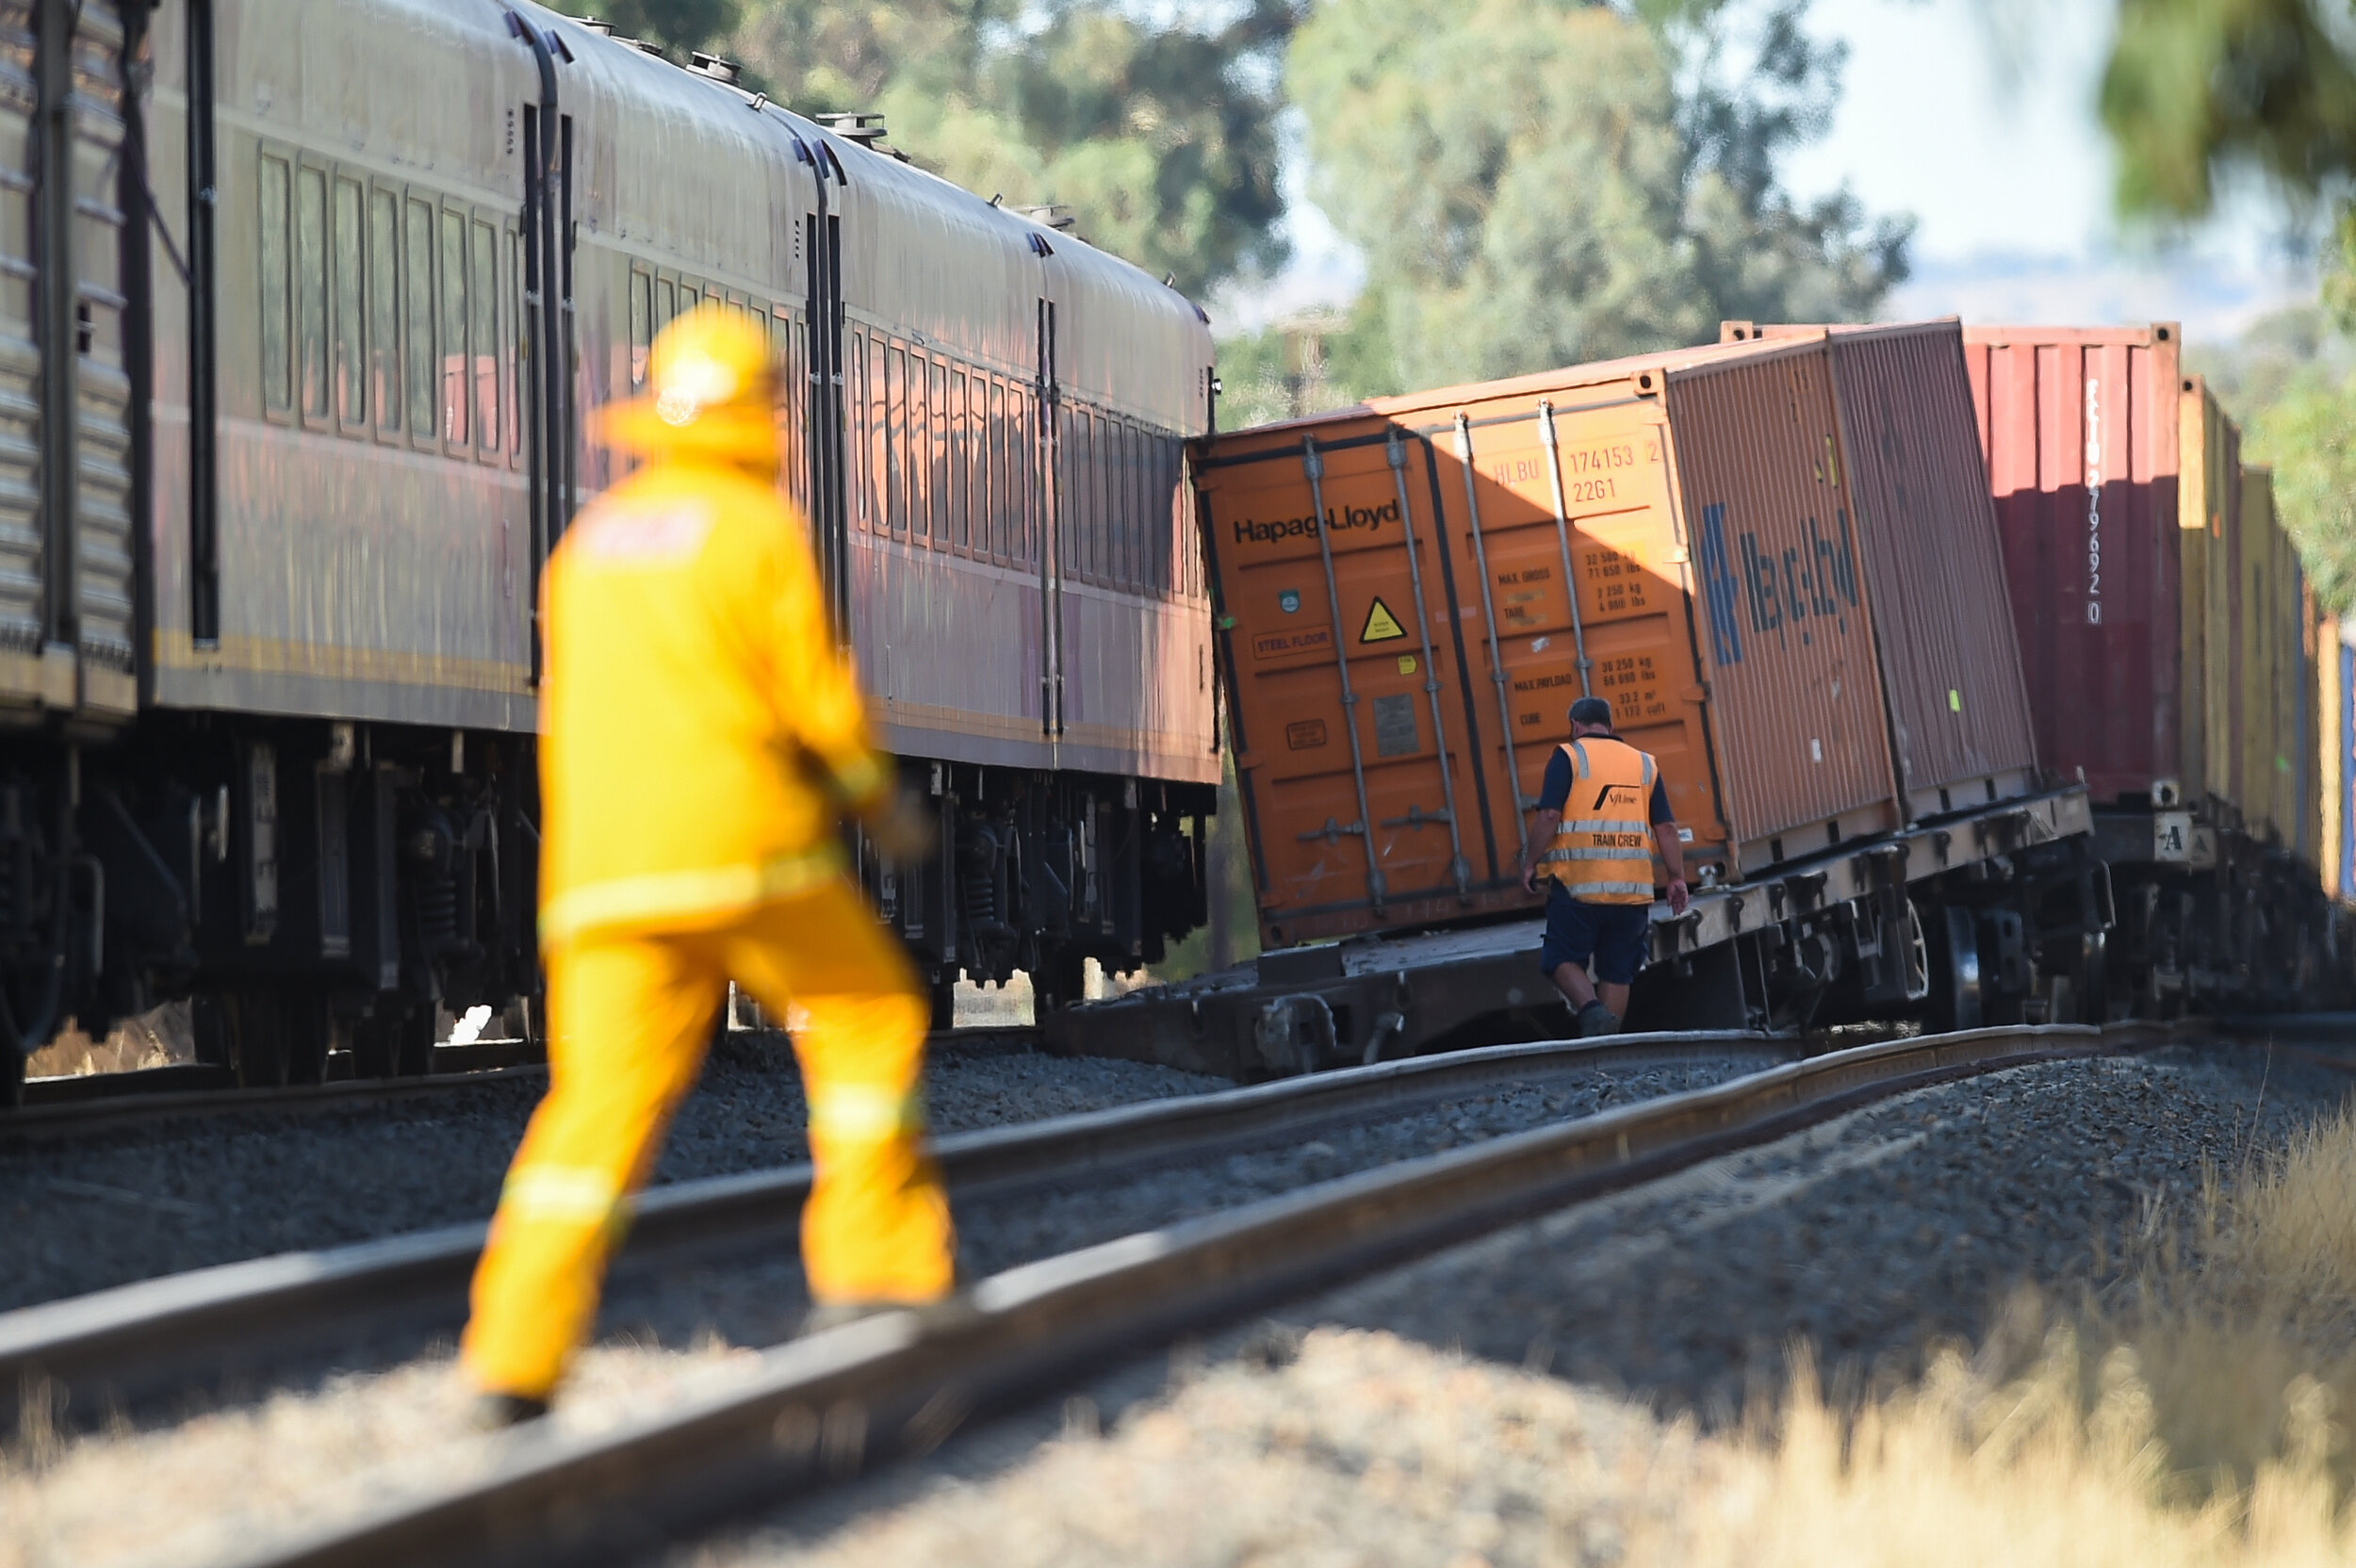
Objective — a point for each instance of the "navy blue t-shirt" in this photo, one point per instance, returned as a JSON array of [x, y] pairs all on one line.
[[1557, 788]]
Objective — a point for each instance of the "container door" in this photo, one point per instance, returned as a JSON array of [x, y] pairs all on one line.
[[1357, 755], [1541, 498]]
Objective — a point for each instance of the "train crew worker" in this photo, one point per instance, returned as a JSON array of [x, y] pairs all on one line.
[[1600, 810], [702, 738]]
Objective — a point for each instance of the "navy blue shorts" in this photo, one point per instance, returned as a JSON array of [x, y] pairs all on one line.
[[1611, 934]]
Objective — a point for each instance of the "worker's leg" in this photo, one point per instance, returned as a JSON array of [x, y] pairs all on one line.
[[877, 1227], [1622, 931], [1570, 942], [1571, 980], [628, 1020]]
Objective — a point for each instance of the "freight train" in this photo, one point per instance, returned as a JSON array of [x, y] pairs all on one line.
[[1967, 709], [302, 306]]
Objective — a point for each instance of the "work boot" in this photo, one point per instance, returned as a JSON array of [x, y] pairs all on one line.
[[1595, 1018], [492, 1412]]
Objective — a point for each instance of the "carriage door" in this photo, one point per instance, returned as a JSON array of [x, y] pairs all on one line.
[[1049, 402], [549, 350], [827, 500]]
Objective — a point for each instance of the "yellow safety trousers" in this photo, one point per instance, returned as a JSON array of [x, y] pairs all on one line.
[[630, 1013]]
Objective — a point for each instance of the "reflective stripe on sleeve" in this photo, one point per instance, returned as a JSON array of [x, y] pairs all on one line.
[[857, 1112], [561, 1193], [652, 899]]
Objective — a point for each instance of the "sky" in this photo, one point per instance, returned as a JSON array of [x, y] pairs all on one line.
[[1977, 117]]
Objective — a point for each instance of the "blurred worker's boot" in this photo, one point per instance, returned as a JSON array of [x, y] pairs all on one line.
[[492, 1413], [1595, 1018]]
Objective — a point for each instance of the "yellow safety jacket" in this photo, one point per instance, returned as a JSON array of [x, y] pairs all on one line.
[[702, 735], [1603, 852]]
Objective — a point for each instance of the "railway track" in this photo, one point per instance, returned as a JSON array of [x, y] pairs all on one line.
[[823, 1406], [137, 1340], [99, 1101]]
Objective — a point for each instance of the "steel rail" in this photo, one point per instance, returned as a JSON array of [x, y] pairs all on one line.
[[98, 1102], [133, 1341], [820, 1408]]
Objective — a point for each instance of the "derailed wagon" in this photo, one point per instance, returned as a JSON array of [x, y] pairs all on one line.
[[2171, 647], [1779, 562]]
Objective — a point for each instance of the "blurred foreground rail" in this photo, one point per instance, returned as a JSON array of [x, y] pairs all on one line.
[[101, 1101]]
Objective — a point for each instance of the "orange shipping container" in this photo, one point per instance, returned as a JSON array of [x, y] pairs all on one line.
[[1402, 651]]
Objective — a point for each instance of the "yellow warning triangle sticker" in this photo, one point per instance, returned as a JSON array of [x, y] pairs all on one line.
[[1382, 625]]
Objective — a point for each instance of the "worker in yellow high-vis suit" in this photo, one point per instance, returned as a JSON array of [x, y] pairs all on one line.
[[703, 737]]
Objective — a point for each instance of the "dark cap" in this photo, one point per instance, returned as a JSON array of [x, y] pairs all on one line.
[[1592, 711]]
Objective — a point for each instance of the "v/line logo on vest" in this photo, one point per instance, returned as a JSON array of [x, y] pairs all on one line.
[[1371, 518], [1784, 591]]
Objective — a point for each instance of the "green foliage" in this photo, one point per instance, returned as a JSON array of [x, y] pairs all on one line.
[[1543, 182], [2195, 86], [679, 24], [1160, 141], [2310, 438]]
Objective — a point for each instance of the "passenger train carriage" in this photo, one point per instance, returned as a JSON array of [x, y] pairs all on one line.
[[280, 467]]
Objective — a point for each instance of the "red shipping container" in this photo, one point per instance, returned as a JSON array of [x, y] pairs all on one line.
[[2080, 427]]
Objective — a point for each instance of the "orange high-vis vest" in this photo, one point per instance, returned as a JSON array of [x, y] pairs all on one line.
[[1603, 853]]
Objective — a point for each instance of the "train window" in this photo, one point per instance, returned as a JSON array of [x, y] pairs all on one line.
[[895, 439], [866, 392], [666, 303], [1130, 472], [641, 327], [485, 338], [311, 287], [454, 365], [512, 350], [939, 413], [418, 272], [964, 456], [277, 287], [916, 447], [991, 532], [1102, 532], [384, 307], [352, 399]]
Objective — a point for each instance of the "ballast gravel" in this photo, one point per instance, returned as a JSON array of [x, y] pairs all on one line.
[[358, 1438], [1544, 1395], [82, 1213]]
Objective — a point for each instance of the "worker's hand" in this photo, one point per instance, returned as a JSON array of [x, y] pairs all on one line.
[[1678, 898], [1530, 877], [903, 829]]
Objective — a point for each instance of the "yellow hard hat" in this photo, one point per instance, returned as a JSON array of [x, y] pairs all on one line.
[[710, 392]]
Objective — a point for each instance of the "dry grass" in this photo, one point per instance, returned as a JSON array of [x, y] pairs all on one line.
[[2199, 1420]]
